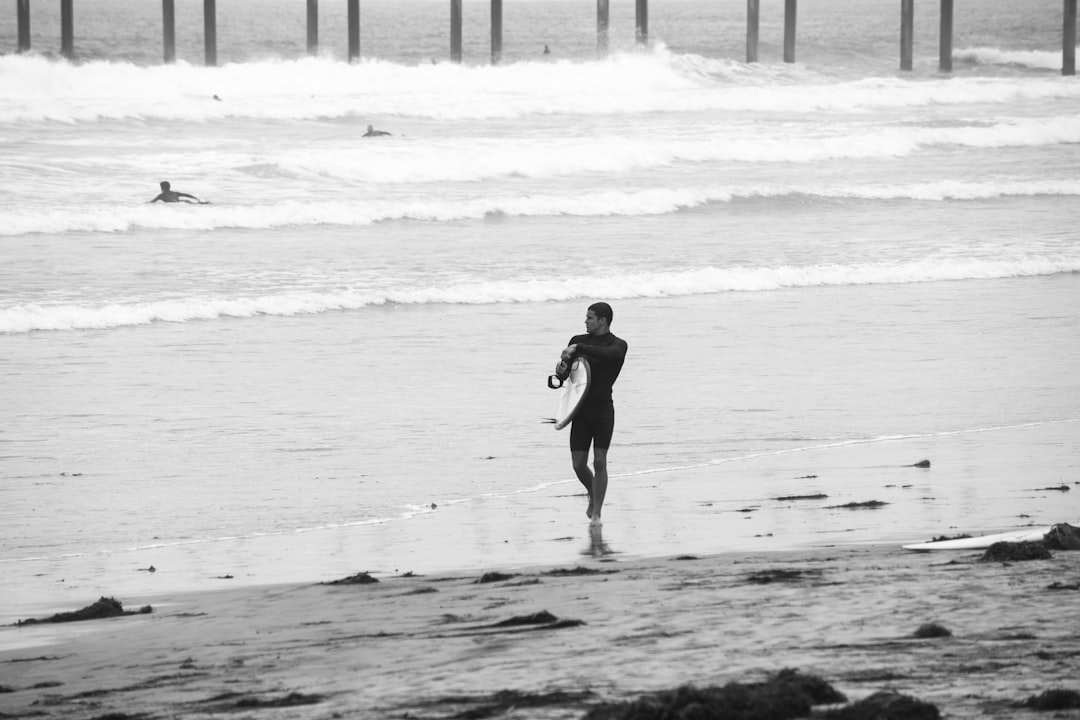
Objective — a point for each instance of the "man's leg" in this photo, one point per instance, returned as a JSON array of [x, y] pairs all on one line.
[[580, 458], [599, 485]]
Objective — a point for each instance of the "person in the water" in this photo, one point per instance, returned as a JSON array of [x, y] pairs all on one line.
[[169, 195], [372, 132]]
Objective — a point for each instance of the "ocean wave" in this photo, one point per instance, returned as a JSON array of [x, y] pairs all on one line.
[[35, 89], [607, 203], [1036, 59], [703, 281]]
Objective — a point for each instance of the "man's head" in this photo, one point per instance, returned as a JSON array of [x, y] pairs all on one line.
[[165, 186], [598, 319]]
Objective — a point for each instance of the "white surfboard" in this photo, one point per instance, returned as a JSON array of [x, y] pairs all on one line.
[[574, 390], [983, 541]]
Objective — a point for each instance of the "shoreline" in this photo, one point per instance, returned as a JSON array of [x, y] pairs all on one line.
[[434, 645], [978, 483]]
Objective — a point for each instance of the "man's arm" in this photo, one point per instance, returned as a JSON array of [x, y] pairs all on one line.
[[605, 353], [180, 195]]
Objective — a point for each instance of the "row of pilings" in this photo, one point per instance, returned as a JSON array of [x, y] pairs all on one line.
[[641, 30]]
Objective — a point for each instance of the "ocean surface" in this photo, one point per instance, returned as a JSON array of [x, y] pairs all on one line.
[[825, 271]]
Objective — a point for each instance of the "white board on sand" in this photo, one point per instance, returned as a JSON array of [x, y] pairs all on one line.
[[574, 390], [983, 541]]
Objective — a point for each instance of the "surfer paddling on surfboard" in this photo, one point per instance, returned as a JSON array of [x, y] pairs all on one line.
[[594, 422]]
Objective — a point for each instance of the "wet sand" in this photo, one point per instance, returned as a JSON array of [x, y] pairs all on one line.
[[554, 642]]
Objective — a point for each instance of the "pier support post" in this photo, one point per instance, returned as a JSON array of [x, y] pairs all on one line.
[[67, 29], [455, 31], [313, 27], [789, 30], [753, 23], [641, 22], [945, 59], [1068, 39], [22, 10], [354, 30], [602, 17], [210, 28], [168, 21], [907, 33], [496, 31]]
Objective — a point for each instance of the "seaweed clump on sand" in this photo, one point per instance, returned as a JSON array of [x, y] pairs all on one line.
[[361, 578], [103, 608], [1062, 536], [788, 694], [886, 705], [1016, 552], [1054, 700], [932, 630]]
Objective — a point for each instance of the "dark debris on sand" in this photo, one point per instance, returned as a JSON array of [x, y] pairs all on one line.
[[1016, 552], [765, 577], [788, 694], [103, 608], [932, 630], [543, 620], [943, 538], [1063, 586], [1051, 700], [466, 707], [579, 570], [868, 505], [1062, 536], [886, 705], [490, 577], [789, 498], [357, 579], [230, 700]]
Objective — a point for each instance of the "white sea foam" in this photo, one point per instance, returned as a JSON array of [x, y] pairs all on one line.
[[655, 201], [36, 89], [25, 318], [1038, 59]]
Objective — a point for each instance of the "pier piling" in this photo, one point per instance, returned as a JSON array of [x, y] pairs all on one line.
[[907, 33], [354, 30], [1068, 39], [945, 60], [455, 31], [496, 31], [67, 29], [168, 21], [753, 23], [210, 28], [313, 27], [22, 11], [789, 30], [641, 22], [602, 16]]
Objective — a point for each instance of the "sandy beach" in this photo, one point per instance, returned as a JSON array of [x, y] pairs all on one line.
[[555, 642]]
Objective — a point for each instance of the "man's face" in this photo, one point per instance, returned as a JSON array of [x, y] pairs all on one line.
[[592, 323]]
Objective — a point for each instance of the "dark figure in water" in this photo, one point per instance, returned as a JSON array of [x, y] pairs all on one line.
[[170, 196], [372, 132]]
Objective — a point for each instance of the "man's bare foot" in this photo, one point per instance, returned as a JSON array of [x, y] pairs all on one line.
[[595, 522]]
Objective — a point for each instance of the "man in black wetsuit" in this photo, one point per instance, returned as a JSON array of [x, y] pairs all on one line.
[[595, 421], [169, 195]]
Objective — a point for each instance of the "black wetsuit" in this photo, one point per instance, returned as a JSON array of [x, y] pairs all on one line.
[[595, 421]]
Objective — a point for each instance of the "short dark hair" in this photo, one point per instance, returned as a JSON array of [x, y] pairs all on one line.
[[602, 310]]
